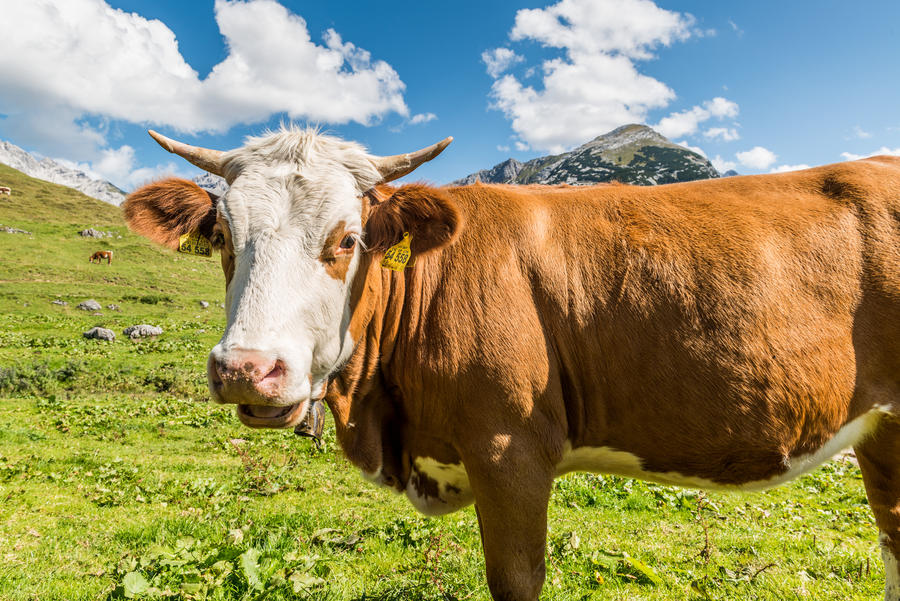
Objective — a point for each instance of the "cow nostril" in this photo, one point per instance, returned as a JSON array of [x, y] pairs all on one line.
[[221, 370], [276, 373]]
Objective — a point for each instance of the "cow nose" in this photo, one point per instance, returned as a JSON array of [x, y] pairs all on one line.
[[242, 371]]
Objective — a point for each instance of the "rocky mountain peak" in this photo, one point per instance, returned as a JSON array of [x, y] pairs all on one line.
[[51, 171], [631, 154]]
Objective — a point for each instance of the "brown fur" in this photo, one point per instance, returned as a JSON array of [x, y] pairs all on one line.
[[100, 255], [165, 210], [221, 240], [714, 329], [428, 214], [336, 261]]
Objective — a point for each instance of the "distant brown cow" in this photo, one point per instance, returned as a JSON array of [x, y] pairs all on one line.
[[102, 254], [5, 190]]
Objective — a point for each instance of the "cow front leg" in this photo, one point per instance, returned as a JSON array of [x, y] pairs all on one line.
[[879, 461], [512, 515]]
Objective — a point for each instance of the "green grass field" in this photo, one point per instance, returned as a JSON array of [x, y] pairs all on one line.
[[119, 480]]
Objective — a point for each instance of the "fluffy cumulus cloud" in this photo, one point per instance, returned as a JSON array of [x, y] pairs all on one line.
[[786, 168], [420, 118], [119, 165], [849, 156], [757, 158], [499, 60], [722, 165], [686, 122], [593, 84], [726, 134], [63, 62]]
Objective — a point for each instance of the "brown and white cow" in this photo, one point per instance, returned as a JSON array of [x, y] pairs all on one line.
[[100, 255], [5, 190], [728, 333]]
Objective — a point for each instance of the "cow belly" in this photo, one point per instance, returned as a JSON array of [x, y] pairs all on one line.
[[612, 461], [436, 488]]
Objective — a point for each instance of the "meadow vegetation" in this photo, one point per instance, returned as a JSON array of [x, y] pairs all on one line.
[[118, 479]]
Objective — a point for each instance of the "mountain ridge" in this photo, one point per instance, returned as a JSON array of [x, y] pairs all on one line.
[[631, 154], [50, 171]]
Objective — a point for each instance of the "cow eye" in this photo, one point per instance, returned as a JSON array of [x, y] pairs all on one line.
[[348, 242]]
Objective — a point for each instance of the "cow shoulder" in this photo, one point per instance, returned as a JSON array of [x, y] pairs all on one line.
[[165, 210]]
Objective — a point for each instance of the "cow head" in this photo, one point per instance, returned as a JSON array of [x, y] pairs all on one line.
[[293, 228]]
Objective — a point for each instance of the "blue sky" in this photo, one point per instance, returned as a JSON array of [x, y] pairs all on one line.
[[756, 86]]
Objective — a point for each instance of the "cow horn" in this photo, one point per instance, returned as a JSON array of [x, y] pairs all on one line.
[[397, 166], [206, 159]]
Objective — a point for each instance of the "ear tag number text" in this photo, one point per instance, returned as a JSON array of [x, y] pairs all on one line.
[[195, 243], [397, 256]]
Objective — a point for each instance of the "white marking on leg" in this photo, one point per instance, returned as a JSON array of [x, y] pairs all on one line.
[[891, 570]]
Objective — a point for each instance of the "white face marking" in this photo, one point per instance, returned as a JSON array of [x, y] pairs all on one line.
[[891, 571], [288, 192], [450, 481], [611, 461]]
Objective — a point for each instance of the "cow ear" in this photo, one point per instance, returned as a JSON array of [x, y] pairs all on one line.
[[163, 211], [430, 216]]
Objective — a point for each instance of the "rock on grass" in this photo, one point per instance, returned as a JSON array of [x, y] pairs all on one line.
[[99, 333], [142, 331], [90, 305]]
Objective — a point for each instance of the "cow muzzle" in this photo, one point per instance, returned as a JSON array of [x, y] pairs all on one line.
[[259, 385]]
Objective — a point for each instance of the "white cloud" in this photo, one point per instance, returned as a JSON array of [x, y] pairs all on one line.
[[594, 86], [696, 149], [786, 168], [722, 165], [860, 133], [686, 122], [757, 158], [721, 108], [62, 61], [682, 123], [502, 148], [118, 166], [499, 60], [420, 118], [849, 156], [632, 28], [726, 134]]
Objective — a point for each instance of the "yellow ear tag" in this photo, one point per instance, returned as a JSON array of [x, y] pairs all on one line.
[[397, 256], [195, 243]]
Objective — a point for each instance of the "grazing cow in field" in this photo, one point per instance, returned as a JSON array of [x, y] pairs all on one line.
[[102, 254], [730, 333], [5, 190]]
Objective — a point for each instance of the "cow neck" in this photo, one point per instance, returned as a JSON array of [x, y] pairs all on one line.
[[356, 394]]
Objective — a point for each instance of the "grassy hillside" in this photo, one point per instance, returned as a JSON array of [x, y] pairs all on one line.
[[119, 480]]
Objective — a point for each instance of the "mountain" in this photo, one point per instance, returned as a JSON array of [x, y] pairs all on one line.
[[212, 183], [51, 171], [36, 203], [631, 154]]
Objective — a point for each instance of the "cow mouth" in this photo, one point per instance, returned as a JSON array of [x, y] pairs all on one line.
[[267, 416]]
